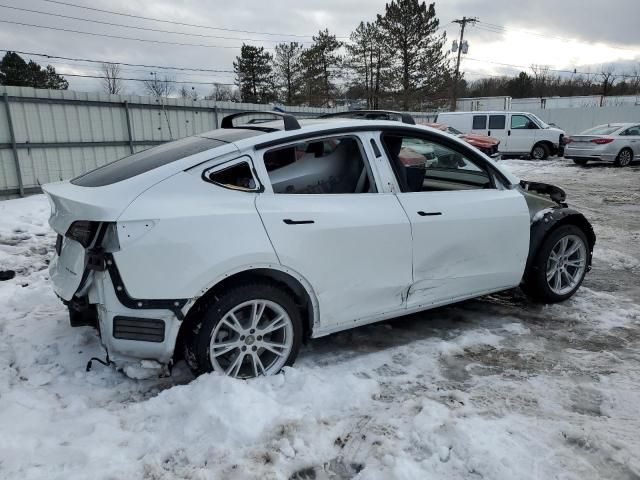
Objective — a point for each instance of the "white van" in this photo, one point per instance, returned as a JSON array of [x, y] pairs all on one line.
[[520, 133]]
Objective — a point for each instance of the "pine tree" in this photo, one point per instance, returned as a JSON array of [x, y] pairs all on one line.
[[368, 58], [254, 74], [421, 67], [15, 71], [288, 70], [321, 66]]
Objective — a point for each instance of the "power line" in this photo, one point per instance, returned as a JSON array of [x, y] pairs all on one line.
[[148, 29], [492, 27], [162, 67], [173, 22], [146, 80], [162, 42]]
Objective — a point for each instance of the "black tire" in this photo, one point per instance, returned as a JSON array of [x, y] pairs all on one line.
[[580, 161], [198, 335], [540, 151], [535, 284], [624, 158]]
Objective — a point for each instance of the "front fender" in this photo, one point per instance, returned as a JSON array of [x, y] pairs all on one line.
[[548, 220]]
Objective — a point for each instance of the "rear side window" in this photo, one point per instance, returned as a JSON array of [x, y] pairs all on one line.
[[238, 176], [325, 166], [479, 122], [497, 122], [144, 161], [632, 131]]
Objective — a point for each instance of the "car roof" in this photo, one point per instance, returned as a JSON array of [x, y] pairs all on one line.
[[486, 112]]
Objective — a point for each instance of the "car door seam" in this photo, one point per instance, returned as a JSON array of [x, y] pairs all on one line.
[[266, 230]]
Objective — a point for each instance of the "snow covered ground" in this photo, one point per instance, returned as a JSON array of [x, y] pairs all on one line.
[[495, 388]]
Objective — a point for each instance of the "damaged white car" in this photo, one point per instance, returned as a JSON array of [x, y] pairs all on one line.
[[231, 247]]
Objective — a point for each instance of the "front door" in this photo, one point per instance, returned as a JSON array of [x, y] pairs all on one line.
[[470, 235], [328, 222], [522, 134]]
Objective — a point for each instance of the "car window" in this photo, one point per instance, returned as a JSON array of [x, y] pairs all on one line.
[[330, 165], [521, 122], [632, 131], [422, 165], [601, 130], [238, 176], [479, 122], [497, 122]]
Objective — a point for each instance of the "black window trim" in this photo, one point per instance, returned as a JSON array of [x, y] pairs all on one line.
[[232, 163], [320, 136]]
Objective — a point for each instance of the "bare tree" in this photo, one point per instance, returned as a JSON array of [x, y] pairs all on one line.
[[608, 76], [540, 79], [160, 87], [223, 93], [188, 94], [111, 80]]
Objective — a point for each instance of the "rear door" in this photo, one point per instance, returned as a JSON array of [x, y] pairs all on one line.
[[470, 235], [632, 137], [329, 221]]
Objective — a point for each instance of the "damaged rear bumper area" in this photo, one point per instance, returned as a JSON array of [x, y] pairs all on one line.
[[135, 332]]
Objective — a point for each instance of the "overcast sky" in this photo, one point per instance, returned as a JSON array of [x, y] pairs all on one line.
[[563, 34]]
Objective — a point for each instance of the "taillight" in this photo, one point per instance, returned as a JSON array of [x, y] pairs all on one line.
[[83, 232], [602, 141]]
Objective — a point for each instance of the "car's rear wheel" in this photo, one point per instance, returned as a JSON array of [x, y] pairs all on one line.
[[540, 151], [624, 158], [580, 161], [560, 265], [251, 330]]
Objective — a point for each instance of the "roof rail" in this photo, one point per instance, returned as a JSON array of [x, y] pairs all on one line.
[[372, 115], [290, 122]]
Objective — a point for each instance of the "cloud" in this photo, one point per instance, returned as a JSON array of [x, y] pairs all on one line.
[[599, 32]]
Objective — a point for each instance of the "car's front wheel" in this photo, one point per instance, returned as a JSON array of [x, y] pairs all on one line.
[[540, 152], [251, 330], [560, 265]]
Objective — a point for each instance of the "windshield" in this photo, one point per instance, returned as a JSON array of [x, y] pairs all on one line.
[[601, 130], [541, 123]]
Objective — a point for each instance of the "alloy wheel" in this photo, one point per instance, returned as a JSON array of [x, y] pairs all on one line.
[[538, 153], [566, 264], [253, 338], [624, 158]]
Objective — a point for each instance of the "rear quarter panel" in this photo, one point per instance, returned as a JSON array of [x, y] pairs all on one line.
[[199, 232]]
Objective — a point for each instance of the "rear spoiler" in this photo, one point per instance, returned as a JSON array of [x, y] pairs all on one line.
[[555, 193]]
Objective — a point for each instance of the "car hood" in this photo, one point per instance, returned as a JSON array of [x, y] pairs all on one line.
[[480, 139]]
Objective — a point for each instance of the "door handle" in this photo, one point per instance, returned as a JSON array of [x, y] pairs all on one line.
[[489, 134], [429, 214], [288, 221], [509, 132]]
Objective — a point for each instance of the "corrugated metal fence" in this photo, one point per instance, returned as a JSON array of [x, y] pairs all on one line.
[[50, 135]]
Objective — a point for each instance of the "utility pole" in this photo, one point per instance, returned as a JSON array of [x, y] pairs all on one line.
[[463, 23]]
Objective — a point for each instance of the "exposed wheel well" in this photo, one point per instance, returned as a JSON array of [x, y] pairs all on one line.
[[541, 230], [283, 280]]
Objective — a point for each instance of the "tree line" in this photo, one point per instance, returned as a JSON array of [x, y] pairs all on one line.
[[397, 60]]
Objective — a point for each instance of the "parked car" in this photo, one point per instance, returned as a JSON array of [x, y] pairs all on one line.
[[487, 145], [230, 247], [519, 133], [614, 142]]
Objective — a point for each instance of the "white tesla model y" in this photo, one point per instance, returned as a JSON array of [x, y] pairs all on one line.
[[230, 247]]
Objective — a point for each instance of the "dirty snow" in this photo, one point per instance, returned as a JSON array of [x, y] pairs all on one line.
[[495, 388]]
